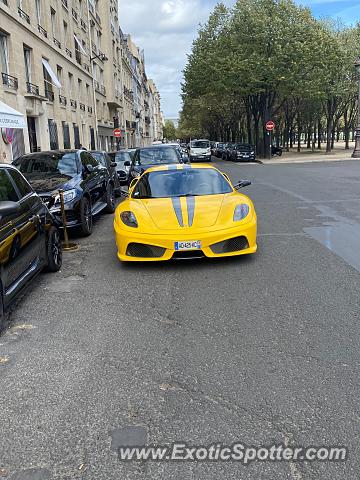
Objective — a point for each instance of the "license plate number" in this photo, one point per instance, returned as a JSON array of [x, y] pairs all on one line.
[[192, 245]]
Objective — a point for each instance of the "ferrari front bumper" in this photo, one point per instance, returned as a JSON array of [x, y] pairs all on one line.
[[162, 246]]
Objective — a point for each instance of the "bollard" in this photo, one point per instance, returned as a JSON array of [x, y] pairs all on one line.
[[67, 246]]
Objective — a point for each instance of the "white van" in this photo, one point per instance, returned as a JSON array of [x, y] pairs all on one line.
[[200, 151]]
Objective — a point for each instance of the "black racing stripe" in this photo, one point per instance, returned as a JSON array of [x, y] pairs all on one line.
[[190, 201], [177, 207]]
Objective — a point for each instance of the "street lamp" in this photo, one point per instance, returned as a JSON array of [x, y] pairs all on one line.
[[356, 153]]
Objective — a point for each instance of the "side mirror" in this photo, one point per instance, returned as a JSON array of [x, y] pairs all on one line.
[[242, 184], [127, 163], [9, 208], [89, 168], [113, 164]]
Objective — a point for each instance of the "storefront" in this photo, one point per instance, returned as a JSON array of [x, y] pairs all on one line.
[[12, 124]]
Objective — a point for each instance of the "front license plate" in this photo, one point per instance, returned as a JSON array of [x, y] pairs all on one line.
[[192, 245]]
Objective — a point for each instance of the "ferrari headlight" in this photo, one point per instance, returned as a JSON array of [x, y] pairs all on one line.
[[129, 219], [69, 195], [241, 212]]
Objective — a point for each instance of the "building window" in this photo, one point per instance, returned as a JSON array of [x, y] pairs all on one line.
[[53, 22], [27, 62], [65, 30], [53, 135], [38, 11], [71, 84], [77, 51], [47, 82], [76, 136], [4, 65], [66, 135]]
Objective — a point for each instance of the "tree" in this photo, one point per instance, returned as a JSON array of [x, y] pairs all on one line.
[[169, 130]]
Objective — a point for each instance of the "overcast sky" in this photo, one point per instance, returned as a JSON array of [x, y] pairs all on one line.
[[165, 29]]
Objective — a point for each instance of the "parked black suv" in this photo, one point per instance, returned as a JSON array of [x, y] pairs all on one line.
[[107, 162], [147, 157], [87, 186], [29, 237], [241, 152]]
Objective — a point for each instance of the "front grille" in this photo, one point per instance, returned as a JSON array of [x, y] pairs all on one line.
[[232, 245], [192, 254], [140, 250]]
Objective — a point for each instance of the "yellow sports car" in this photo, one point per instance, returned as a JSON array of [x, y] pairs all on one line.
[[184, 211]]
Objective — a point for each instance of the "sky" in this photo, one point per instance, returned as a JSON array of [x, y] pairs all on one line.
[[165, 30]]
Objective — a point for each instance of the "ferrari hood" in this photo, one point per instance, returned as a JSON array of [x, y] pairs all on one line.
[[184, 212]]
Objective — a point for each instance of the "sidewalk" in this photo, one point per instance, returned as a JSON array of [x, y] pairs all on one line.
[[307, 156]]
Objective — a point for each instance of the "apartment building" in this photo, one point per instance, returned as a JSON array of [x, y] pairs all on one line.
[[69, 70]]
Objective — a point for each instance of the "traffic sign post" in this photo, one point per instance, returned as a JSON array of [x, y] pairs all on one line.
[[270, 126]]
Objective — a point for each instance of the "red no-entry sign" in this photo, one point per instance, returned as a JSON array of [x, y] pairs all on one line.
[[117, 133], [270, 126]]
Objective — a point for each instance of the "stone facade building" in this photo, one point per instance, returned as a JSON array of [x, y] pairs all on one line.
[[69, 69]]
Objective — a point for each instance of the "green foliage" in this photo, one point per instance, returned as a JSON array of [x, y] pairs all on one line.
[[170, 130], [249, 63]]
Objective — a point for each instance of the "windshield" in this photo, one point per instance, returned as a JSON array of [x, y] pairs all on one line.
[[154, 156], [122, 157], [99, 157], [200, 144], [181, 183], [48, 164], [246, 148]]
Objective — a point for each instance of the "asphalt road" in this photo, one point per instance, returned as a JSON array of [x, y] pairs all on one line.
[[257, 350]]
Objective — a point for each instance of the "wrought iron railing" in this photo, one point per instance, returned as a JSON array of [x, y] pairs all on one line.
[[33, 89], [10, 81]]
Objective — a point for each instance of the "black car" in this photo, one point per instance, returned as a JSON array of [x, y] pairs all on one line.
[[219, 150], [29, 238], [87, 186], [120, 158], [242, 152], [147, 157], [107, 162]]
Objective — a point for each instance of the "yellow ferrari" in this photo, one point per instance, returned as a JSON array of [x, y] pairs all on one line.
[[184, 211]]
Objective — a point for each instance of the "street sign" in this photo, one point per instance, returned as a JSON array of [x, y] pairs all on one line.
[[270, 126], [117, 133]]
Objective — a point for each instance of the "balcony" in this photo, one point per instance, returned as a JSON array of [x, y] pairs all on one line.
[[94, 49], [90, 109], [5, 2], [96, 86], [68, 52], [86, 67], [147, 120], [83, 25], [82, 107], [10, 81], [75, 15], [65, 4], [73, 103], [62, 100], [24, 15], [42, 31], [102, 90], [98, 19], [33, 89], [49, 94], [57, 43]]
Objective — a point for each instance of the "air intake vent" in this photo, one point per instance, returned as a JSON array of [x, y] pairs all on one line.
[[140, 250], [232, 245]]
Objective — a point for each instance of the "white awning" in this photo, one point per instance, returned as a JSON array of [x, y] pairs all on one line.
[[10, 118], [81, 48], [51, 73]]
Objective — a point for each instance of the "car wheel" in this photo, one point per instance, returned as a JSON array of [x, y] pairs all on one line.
[[54, 251], [223, 157], [86, 220], [110, 199]]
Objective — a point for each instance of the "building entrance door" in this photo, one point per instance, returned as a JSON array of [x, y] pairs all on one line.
[[32, 134]]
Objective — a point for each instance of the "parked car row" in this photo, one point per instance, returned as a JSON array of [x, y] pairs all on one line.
[[236, 152]]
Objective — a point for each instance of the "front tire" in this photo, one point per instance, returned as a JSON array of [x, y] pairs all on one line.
[[86, 220], [54, 251], [110, 199]]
